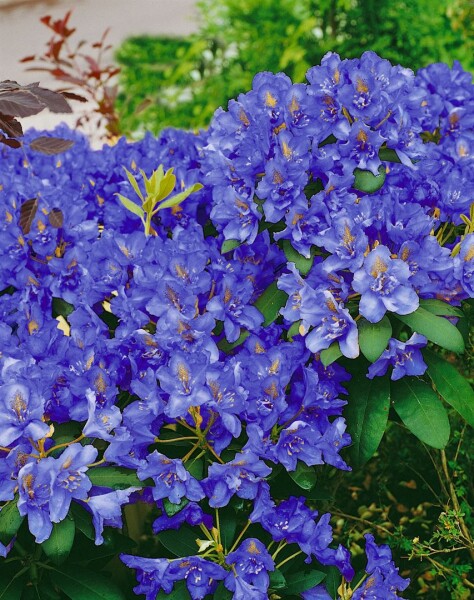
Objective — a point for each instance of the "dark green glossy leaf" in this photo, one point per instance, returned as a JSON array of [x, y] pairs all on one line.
[[421, 410], [451, 385], [179, 592], [221, 593], [11, 588], [302, 263], [438, 307], [389, 155], [10, 521], [58, 546], [83, 520], [437, 329], [171, 509], [61, 307], [182, 543], [303, 476], [366, 415], [85, 584], [331, 354], [302, 581], [270, 302], [116, 478], [367, 182], [277, 580], [228, 526], [373, 337]]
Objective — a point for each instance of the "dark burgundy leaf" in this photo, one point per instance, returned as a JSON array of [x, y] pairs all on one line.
[[27, 214], [53, 100], [72, 96], [56, 218], [28, 58], [19, 102], [10, 126], [9, 142], [51, 145]]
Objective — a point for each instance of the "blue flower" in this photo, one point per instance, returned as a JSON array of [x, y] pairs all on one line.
[[21, 414], [151, 574], [171, 478], [383, 284], [251, 562], [70, 481], [200, 574], [404, 357], [240, 476], [35, 481]]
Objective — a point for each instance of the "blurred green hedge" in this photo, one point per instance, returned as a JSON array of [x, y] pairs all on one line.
[[181, 81]]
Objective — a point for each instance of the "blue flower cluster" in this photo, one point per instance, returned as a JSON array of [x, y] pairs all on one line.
[[114, 346]]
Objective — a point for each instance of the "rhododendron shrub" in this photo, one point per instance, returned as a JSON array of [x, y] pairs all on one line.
[[210, 355]]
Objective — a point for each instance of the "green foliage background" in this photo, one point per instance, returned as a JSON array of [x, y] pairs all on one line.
[[181, 81]]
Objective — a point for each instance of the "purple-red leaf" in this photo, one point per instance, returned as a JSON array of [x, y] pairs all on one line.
[[9, 142], [51, 145], [27, 214], [10, 126]]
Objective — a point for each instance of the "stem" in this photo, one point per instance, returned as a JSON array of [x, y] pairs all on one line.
[[178, 439], [457, 508], [190, 453], [81, 437], [206, 532], [288, 558], [281, 545], [235, 544], [99, 462], [211, 449]]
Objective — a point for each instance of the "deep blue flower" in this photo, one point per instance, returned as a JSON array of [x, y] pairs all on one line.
[[251, 562], [21, 414], [70, 481], [200, 574], [151, 574], [404, 357], [240, 476], [383, 284], [171, 479]]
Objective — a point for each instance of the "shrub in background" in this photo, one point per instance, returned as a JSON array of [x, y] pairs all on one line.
[[179, 82]]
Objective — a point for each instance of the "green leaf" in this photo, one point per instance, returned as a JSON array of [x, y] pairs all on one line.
[[438, 307], [293, 331], [302, 263], [270, 302], [179, 592], [179, 544], [228, 526], [331, 354], [61, 307], [11, 587], [437, 329], [366, 415], [171, 509], [303, 476], [421, 410], [10, 521], [131, 206], [451, 385], [135, 185], [221, 593], [373, 337], [389, 155], [302, 581], [229, 245], [174, 200], [367, 182], [277, 580], [83, 520], [84, 584], [58, 546], [116, 478]]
